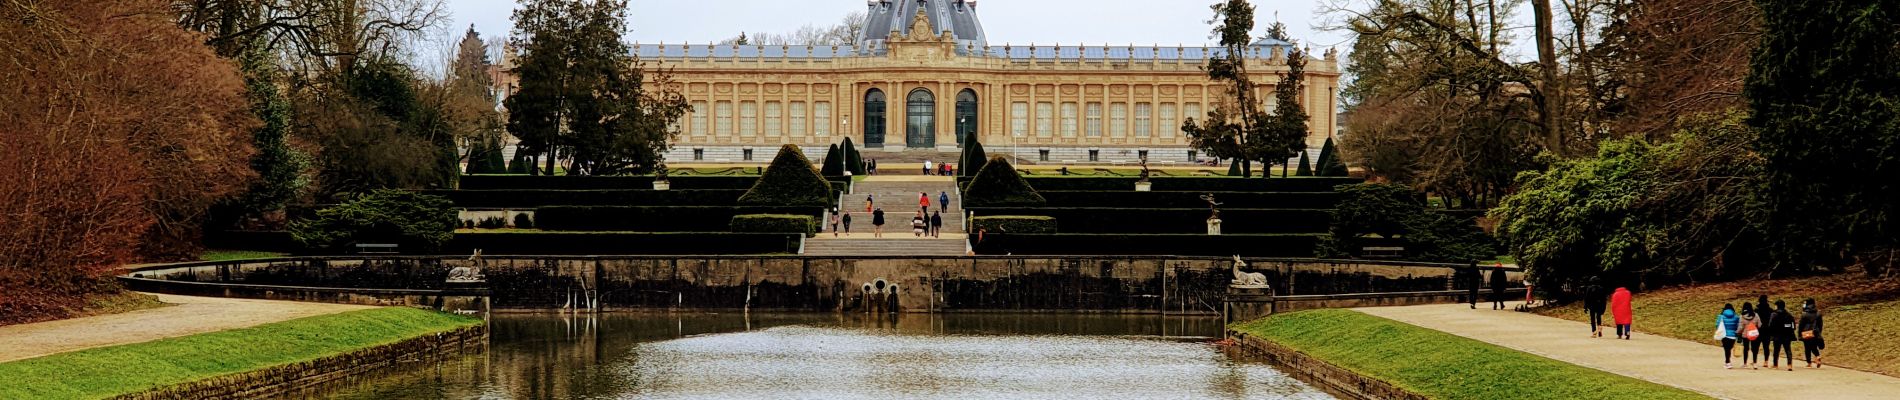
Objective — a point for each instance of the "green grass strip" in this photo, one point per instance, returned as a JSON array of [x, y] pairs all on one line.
[[1441, 365], [110, 371], [227, 255]]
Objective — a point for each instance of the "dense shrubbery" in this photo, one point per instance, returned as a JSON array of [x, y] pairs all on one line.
[[1013, 224], [789, 181], [998, 185], [775, 223], [413, 221], [652, 219], [1642, 213], [523, 221], [1392, 211]]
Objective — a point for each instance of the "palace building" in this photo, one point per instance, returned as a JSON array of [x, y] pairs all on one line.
[[923, 74]]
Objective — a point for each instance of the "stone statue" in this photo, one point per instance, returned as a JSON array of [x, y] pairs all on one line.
[[1247, 280], [1144, 168], [1213, 207], [470, 273]]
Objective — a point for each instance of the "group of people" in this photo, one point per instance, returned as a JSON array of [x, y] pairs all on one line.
[[1770, 332], [925, 223], [1474, 280], [943, 169]]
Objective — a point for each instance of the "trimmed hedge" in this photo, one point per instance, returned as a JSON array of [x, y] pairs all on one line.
[[775, 223], [1173, 220], [1013, 224], [653, 219], [622, 243], [1132, 199], [998, 185], [620, 182], [1194, 184], [522, 198], [789, 181], [1147, 244]]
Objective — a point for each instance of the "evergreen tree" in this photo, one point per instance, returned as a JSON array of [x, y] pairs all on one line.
[[1285, 131], [1238, 129], [280, 168], [1305, 169], [1824, 86], [582, 96], [1330, 163], [834, 161]]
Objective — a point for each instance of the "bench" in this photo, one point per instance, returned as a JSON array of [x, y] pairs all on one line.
[[1382, 252], [375, 248]]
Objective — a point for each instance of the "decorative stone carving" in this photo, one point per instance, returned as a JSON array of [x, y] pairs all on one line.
[[470, 273], [1246, 280]]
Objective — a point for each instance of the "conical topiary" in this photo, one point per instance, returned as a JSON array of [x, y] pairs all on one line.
[[1305, 168], [834, 161], [789, 181], [1330, 163], [998, 185], [1233, 168], [853, 161], [973, 157]]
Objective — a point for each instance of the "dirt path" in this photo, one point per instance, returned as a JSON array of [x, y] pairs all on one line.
[[189, 315], [1683, 364]]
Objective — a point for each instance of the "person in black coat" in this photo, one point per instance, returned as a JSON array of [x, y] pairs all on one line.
[[877, 223], [1767, 314], [1809, 330], [1471, 279], [1498, 281], [1783, 324], [936, 224]]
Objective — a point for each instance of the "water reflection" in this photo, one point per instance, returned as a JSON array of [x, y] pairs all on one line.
[[831, 356]]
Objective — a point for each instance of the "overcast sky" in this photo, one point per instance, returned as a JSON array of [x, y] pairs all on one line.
[[1043, 22]]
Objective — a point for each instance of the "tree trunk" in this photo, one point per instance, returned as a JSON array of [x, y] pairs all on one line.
[[1552, 90]]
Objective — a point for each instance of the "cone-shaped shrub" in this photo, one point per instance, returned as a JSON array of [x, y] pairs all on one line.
[[973, 157], [1330, 163], [853, 161], [998, 185], [834, 161], [1305, 168], [789, 181], [521, 163], [1233, 168]]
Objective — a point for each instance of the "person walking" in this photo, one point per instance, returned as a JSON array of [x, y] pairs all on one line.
[[1809, 329], [1767, 315], [835, 215], [1595, 303], [936, 225], [917, 226], [846, 218], [1726, 325], [867, 203], [1783, 327], [1497, 288], [1620, 309], [877, 223], [943, 200], [923, 201], [1750, 335], [1471, 278]]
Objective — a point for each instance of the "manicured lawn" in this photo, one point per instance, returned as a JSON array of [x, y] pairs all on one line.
[[1862, 314], [109, 371], [1444, 366], [225, 255]]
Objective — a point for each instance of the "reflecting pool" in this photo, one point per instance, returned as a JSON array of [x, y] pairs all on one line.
[[832, 356]]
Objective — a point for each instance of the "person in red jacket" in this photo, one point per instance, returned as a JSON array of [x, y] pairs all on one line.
[[1620, 310]]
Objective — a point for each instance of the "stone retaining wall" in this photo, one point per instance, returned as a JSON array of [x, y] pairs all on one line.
[[1331, 378], [276, 380]]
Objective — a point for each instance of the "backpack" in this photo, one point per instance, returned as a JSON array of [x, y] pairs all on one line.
[[1751, 332]]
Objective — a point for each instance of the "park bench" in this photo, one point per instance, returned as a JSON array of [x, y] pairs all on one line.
[[375, 248]]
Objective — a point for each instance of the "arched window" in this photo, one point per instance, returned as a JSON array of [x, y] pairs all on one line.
[[921, 120], [874, 118], [966, 115]]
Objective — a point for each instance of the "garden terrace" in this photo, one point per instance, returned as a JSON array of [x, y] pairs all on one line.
[[1187, 184], [1280, 217], [1093, 220], [641, 182]]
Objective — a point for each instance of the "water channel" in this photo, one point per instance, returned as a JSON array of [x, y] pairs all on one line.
[[836, 356]]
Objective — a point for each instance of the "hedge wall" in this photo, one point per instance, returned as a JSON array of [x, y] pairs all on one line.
[[1172, 220], [522, 198], [630, 182], [622, 243], [1131, 199], [1192, 184], [1118, 244], [775, 223], [1013, 224], [652, 219]]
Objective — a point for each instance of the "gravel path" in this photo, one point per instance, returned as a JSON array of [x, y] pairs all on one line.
[[188, 315], [1688, 365]]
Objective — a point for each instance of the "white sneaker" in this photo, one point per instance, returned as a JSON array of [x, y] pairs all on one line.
[[1728, 366]]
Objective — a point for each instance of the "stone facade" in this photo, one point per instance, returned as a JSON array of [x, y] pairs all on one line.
[[934, 75]]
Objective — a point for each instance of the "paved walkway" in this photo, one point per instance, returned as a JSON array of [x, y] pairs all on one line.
[[1683, 364], [187, 316]]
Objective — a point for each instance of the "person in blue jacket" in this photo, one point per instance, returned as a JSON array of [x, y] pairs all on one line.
[[1728, 324]]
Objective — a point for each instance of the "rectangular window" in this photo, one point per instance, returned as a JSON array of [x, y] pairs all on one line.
[[1192, 110], [1118, 119], [1168, 122], [1019, 118], [700, 116], [821, 118], [748, 155], [1068, 119], [724, 109], [1095, 155], [1192, 155], [774, 119], [1042, 155], [1095, 120], [1045, 118], [699, 154], [748, 118], [797, 118], [1144, 119]]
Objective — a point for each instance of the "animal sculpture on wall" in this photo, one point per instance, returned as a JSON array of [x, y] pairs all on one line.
[[1247, 279]]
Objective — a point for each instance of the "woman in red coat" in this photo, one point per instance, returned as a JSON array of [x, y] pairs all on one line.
[[1620, 310]]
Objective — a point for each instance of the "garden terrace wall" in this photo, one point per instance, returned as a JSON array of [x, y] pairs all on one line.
[[1193, 184], [529, 198], [623, 243], [634, 182], [1132, 199], [1172, 220], [1258, 245], [1190, 285], [653, 219]]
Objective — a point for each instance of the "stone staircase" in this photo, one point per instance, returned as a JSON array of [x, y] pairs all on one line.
[[897, 195]]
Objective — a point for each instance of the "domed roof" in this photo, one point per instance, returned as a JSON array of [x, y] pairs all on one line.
[[956, 16]]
